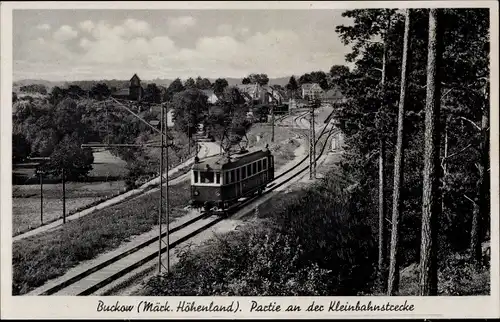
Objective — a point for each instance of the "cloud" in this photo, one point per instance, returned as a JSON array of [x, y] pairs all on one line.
[[87, 25], [137, 27], [65, 33], [116, 50], [229, 30], [181, 23], [44, 26]]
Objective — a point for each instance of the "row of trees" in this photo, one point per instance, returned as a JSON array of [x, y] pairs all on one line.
[[325, 80], [425, 115], [55, 131]]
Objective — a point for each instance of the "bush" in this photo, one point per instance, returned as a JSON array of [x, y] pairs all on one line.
[[314, 245]]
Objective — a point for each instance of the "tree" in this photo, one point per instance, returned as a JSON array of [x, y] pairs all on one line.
[[292, 86], [70, 157], [369, 24], [56, 95], [152, 94], [189, 83], [174, 87], [227, 120], [305, 79], [190, 108], [393, 282], [100, 91], [320, 78], [261, 79], [20, 147], [339, 71], [76, 92], [430, 205], [203, 83], [219, 85]]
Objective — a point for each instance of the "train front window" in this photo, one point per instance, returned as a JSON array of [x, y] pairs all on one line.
[[226, 178], [217, 177], [195, 176], [207, 177]]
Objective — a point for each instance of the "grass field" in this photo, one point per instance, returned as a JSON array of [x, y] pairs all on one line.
[[284, 145], [105, 181], [38, 258]]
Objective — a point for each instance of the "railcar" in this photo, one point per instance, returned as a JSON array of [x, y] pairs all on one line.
[[218, 182]]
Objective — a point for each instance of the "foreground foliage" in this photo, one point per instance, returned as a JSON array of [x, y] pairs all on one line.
[[283, 259]]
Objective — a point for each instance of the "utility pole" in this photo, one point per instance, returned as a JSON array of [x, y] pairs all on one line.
[[272, 120], [160, 206], [41, 197], [64, 195], [164, 145], [312, 142], [167, 198]]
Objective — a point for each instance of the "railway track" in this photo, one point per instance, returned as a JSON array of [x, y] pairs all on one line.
[[97, 277]]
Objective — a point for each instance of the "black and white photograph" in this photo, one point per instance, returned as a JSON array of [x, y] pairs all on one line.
[[344, 153]]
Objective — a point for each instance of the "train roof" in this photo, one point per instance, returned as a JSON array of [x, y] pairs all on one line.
[[219, 162]]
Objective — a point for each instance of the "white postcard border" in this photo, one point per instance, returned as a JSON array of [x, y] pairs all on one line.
[[86, 307]]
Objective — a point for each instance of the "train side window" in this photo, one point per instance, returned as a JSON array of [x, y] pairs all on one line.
[[254, 167], [226, 178], [249, 170], [237, 175], [195, 176], [259, 166], [207, 177], [217, 177], [243, 172], [264, 164]]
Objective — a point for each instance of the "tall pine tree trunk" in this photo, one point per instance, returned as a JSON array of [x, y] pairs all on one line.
[[481, 208], [430, 204], [382, 243], [393, 281]]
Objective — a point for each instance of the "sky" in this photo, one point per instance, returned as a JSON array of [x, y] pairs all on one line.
[[67, 45]]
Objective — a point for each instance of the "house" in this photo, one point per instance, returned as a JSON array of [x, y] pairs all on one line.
[[212, 97], [272, 95], [255, 91], [310, 90], [333, 96], [134, 92]]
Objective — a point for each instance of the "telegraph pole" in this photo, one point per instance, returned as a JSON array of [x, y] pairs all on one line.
[[160, 206], [312, 143], [163, 146], [167, 197], [41, 197], [272, 120], [64, 195]]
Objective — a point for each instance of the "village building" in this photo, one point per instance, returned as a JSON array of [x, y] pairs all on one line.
[[310, 90], [212, 97], [134, 92]]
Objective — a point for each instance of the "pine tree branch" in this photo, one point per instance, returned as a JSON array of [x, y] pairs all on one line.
[[470, 199], [456, 153], [470, 121]]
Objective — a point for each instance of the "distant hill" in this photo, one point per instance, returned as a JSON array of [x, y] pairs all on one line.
[[87, 84]]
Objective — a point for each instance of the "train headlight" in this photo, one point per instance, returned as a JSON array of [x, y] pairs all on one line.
[[196, 193]]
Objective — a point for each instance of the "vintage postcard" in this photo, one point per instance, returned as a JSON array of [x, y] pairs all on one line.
[[232, 160]]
